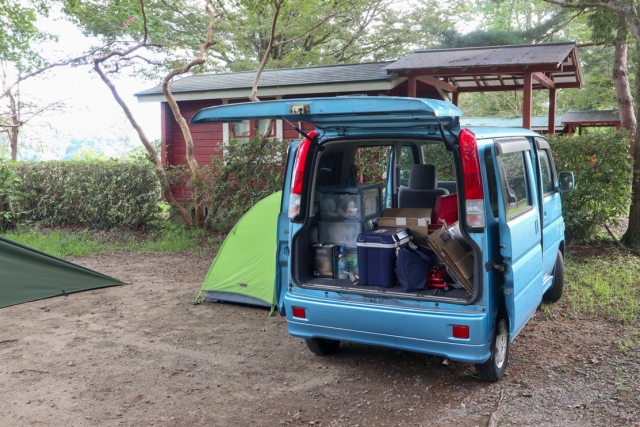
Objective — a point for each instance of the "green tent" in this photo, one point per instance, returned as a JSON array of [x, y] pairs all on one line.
[[27, 274], [244, 271]]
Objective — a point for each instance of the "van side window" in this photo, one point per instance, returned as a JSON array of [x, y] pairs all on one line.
[[371, 164], [407, 159], [437, 154], [513, 177], [492, 183], [546, 173]]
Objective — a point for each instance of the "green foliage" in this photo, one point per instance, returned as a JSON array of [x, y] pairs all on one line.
[[9, 195], [371, 163], [101, 194], [312, 32], [20, 35], [601, 165], [248, 172], [437, 154], [605, 25], [604, 285], [170, 238]]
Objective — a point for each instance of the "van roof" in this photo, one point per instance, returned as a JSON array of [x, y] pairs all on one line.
[[484, 132]]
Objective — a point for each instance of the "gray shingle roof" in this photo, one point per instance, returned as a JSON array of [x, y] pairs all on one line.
[[591, 116], [546, 53], [372, 71]]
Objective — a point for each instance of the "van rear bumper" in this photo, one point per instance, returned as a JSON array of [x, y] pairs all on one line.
[[417, 329]]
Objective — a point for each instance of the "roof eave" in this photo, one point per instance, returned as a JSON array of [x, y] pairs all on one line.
[[275, 91]]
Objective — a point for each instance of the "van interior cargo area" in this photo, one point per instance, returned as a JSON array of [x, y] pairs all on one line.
[[348, 202]]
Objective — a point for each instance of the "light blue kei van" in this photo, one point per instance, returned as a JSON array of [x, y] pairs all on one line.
[[508, 196]]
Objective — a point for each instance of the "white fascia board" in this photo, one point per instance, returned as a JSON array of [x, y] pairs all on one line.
[[268, 92]]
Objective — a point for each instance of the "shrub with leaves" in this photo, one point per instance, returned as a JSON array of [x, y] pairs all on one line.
[[248, 172], [601, 165], [9, 195], [437, 154], [100, 194]]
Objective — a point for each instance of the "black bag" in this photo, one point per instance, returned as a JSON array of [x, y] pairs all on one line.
[[412, 266]]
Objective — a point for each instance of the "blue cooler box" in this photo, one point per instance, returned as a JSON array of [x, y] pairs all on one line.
[[377, 255]]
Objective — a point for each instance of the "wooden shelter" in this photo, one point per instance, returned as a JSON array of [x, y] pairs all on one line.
[[440, 74], [590, 118], [549, 66]]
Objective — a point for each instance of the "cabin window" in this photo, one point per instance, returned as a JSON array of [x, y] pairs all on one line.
[[248, 129]]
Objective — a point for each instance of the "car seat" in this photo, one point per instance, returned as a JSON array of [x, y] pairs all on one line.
[[422, 191]]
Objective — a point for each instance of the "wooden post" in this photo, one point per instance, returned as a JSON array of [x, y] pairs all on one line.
[[552, 111], [455, 98], [526, 102], [570, 129], [411, 87]]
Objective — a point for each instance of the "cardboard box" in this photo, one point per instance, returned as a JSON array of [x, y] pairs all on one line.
[[415, 219], [452, 249]]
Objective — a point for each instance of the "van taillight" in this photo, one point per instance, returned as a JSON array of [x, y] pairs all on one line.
[[297, 176], [472, 179]]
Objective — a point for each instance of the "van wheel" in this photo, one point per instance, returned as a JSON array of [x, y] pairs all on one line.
[[494, 368], [554, 293], [321, 346]]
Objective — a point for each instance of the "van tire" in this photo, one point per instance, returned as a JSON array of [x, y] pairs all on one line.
[[554, 293], [493, 369], [322, 346]]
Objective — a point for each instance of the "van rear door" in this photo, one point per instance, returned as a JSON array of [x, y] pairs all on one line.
[[285, 232], [520, 232]]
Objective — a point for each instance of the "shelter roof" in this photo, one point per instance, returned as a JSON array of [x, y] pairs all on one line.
[[528, 54], [591, 117], [280, 82], [480, 69]]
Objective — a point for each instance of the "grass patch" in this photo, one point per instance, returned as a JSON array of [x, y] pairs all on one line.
[[606, 285], [78, 242]]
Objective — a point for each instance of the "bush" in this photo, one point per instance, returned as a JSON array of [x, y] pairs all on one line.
[[601, 164], [248, 172], [9, 195], [100, 194]]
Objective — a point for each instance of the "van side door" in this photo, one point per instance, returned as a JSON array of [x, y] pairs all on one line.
[[552, 221], [285, 232], [520, 231]]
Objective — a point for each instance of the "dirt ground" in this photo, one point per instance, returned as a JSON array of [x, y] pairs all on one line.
[[143, 355]]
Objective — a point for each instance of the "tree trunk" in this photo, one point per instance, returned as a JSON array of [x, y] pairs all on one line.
[[623, 90], [153, 153], [15, 126], [631, 236]]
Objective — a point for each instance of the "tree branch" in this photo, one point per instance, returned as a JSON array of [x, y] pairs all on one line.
[[184, 126], [48, 67], [253, 96], [607, 4], [154, 158]]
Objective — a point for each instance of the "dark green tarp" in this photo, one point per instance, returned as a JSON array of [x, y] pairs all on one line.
[[27, 274]]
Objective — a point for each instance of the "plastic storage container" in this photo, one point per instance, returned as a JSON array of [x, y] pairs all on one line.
[[340, 233], [377, 255], [350, 203]]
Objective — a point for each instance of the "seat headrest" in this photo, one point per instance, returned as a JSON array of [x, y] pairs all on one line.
[[324, 177], [423, 177]]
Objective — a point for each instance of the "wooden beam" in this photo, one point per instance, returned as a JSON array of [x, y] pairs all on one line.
[[544, 80], [506, 69], [456, 99], [462, 89], [437, 83], [444, 94], [411, 87], [526, 102], [552, 111]]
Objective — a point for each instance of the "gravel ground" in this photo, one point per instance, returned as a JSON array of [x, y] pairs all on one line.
[[142, 355]]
